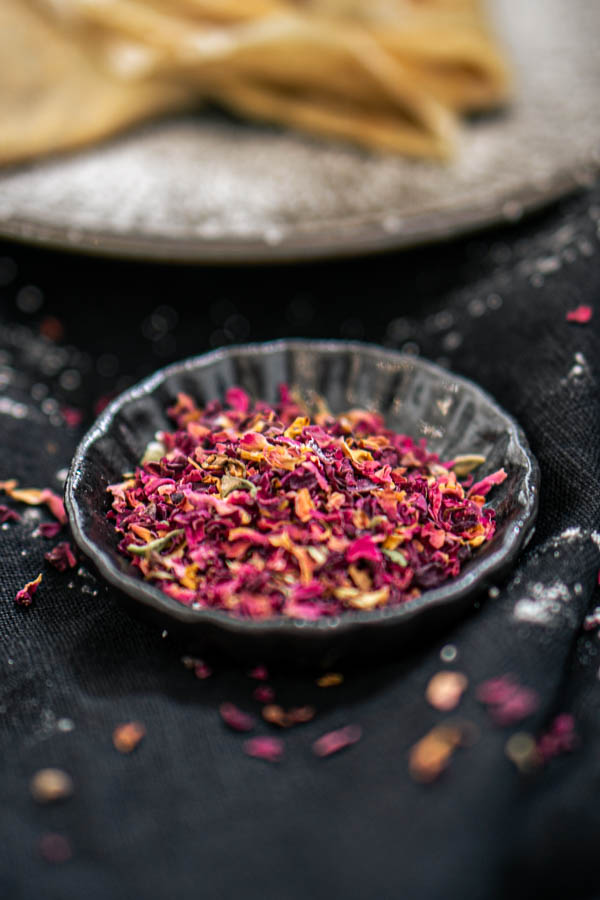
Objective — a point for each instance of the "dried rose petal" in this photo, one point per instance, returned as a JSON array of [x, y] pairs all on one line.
[[301, 714], [465, 464], [519, 707], [330, 679], [101, 403], [430, 756], [72, 416], [445, 690], [363, 548], [29, 496], [24, 597], [268, 748], [484, 486], [496, 690], [581, 314], [559, 738], [238, 399], [55, 505], [264, 693], [276, 715], [259, 673], [49, 529], [8, 515], [334, 741], [36, 497], [55, 848], [200, 669], [235, 718], [563, 725], [127, 736], [50, 785], [508, 702], [61, 557]]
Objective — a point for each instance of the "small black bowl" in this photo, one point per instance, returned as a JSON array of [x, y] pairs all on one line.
[[415, 396]]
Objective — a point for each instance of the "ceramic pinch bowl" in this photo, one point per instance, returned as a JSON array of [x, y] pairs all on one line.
[[416, 397]]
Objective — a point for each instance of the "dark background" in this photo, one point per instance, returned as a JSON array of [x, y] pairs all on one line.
[[187, 814]]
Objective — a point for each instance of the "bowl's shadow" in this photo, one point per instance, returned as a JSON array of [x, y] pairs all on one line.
[[144, 659]]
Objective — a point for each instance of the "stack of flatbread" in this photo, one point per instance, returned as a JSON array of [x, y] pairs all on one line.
[[394, 75]]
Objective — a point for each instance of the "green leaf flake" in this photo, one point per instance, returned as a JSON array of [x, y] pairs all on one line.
[[158, 544], [396, 556], [230, 483], [318, 554], [463, 465]]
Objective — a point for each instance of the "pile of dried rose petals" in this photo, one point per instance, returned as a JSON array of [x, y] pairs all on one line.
[[263, 511]]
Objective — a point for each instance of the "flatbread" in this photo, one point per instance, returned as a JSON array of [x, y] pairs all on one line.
[[393, 75], [54, 95]]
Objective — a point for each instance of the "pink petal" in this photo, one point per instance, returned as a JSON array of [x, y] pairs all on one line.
[[485, 485], [237, 399], [264, 694], [61, 557], [260, 673], [581, 315], [334, 741], [363, 548], [267, 748], [235, 718], [49, 529]]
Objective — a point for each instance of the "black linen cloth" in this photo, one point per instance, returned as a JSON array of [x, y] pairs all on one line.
[[187, 814]]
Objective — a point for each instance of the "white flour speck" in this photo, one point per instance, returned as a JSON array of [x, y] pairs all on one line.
[[571, 534], [545, 603], [10, 407]]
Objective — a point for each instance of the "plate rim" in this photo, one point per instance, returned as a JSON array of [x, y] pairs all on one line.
[[333, 239], [448, 594]]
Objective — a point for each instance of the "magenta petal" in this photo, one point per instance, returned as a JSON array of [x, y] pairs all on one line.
[[363, 548], [235, 718], [267, 748], [238, 399], [260, 673], [264, 694], [49, 529], [61, 557], [334, 741], [8, 515], [581, 314]]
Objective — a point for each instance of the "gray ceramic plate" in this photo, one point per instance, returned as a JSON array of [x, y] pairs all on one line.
[[208, 189], [416, 397]]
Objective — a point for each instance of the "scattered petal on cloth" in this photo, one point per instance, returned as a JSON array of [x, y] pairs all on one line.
[[334, 741], [49, 529], [236, 718], [24, 597], [127, 736], [8, 515], [582, 315], [270, 749], [61, 557], [263, 693]]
